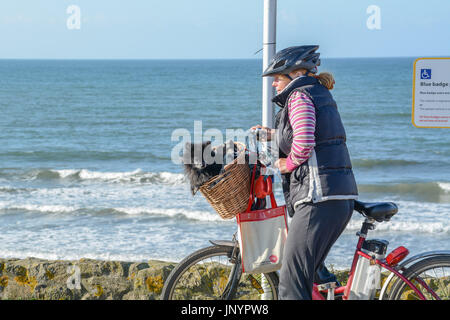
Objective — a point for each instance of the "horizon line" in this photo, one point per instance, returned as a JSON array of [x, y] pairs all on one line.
[[193, 59]]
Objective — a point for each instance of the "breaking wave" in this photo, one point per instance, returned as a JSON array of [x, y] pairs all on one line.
[[435, 228], [425, 191], [175, 213], [136, 176]]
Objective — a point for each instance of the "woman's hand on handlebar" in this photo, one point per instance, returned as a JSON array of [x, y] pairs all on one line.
[[263, 133]]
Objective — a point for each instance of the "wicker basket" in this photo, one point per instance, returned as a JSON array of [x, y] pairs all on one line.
[[229, 192]]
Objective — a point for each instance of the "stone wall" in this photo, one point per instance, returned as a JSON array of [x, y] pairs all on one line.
[[83, 279], [87, 279]]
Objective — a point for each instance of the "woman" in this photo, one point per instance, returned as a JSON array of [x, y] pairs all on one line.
[[317, 178]]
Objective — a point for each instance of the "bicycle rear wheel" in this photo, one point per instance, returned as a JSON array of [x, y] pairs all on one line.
[[213, 273], [433, 273]]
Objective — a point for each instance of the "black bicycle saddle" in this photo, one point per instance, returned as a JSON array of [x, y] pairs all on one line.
[[379, 211]]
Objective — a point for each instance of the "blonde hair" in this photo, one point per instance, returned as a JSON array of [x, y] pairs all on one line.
[[325, 78]]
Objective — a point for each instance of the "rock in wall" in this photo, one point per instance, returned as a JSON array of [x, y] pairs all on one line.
[[83, 279]]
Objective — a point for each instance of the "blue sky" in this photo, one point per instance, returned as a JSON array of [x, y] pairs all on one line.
[[198, 29]]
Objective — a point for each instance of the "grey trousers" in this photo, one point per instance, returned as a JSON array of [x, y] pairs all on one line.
[[314, 228]]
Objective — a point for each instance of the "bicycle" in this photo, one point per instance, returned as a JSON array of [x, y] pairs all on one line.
[[215, 272]]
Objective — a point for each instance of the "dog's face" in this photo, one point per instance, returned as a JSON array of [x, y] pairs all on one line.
[[199, 165], [202, 162], [198, 155]]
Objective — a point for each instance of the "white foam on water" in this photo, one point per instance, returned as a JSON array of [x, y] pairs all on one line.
[[170, 177], [132, 176], [66, 173], [174, 213], [444, 186], [38, 208], [406, 227], [107, 176], [136, 176], [199, 215]]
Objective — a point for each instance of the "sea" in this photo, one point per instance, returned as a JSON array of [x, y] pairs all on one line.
[[87, 167]]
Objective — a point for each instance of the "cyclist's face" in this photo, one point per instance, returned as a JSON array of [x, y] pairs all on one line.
[[280, 82]]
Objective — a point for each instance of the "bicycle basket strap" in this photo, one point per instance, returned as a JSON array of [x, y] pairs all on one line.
[[272, 196], [250, 201]]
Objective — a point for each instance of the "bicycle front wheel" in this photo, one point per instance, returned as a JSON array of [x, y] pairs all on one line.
[[213, 274], [431, 276]]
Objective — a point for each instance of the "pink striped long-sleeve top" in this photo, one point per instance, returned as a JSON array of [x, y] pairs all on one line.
[[302, 117]]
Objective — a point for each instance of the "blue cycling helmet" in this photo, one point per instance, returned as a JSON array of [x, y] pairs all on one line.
[[293, 58]]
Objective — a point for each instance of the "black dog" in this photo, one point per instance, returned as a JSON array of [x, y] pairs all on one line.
[[202, 162]]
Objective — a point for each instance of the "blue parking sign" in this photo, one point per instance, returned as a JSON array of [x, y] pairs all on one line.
[[425, 73]]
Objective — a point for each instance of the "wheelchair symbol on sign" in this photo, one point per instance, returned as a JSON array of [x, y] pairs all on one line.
[[425, 74]]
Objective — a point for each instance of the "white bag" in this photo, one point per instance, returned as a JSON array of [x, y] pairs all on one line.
[[262, 235]]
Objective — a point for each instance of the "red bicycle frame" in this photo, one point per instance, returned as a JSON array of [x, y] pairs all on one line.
[[316, 294]]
